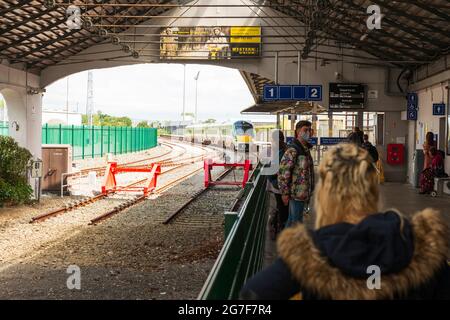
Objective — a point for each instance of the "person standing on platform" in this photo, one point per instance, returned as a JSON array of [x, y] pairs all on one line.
[[356, 137], [296, 174], [371, 149], [426, 177]]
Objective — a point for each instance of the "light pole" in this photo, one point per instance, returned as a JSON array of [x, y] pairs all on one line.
[[196, 95]]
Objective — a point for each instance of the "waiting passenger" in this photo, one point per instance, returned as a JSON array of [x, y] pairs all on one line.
[[437, 163], [296, 174], [356, 137], [278, 217], [427, 177], [352, 238], [371, 149]]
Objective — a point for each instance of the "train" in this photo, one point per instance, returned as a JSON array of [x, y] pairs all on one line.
[[236, 136]]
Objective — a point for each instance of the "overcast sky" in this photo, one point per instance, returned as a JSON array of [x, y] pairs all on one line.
[[155, 91]]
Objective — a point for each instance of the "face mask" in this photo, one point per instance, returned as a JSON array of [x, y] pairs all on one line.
[[305, 136]]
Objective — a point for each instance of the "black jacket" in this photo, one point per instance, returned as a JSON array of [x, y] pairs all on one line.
[[332, 262]]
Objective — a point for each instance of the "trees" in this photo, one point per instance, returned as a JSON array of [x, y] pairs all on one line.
[[14, 186], [143, 124], [102, 119], [210, 121]]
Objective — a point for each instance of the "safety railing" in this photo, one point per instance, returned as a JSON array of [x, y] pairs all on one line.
[[243, 251]]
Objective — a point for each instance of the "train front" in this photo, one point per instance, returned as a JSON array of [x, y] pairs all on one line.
[[244, 134]]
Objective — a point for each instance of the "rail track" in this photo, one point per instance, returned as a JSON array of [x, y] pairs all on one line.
[[168, 163]]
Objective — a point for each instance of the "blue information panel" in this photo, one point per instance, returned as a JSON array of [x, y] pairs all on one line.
[[412, 115], [296, 93], [271, 93], [331, 141], [439, 109]]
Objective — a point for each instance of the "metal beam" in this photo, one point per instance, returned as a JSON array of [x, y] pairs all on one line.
[[412, 17]]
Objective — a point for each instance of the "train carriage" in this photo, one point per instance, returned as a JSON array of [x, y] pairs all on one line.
[[236, 136]]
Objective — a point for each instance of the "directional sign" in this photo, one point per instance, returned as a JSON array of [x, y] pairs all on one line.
[[439, 109], [331, 141], [292, 92], [271, 93], [412, 115]]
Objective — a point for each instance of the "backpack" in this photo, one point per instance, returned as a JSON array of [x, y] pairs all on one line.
[[373, 153]]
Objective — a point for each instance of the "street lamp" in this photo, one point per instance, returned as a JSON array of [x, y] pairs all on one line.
[[184, 92], [196, 95]]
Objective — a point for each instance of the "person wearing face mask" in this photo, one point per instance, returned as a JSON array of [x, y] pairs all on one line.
[[296, 174]]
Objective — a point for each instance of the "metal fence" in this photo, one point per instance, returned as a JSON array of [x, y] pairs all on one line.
[[243, 252], [92, 141]]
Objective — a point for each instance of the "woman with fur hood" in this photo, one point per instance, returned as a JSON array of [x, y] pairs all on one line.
[[351, 238]]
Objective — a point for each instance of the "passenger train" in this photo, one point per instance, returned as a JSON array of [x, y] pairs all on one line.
[[236, 136]]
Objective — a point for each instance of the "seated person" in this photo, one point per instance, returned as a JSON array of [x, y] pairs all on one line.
[[352, 239]]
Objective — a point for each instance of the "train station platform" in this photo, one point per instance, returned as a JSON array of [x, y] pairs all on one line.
[[400, 196]]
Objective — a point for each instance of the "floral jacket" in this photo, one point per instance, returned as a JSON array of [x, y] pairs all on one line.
[[296, 173]]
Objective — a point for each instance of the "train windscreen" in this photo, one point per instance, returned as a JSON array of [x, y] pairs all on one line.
[[244, 128]]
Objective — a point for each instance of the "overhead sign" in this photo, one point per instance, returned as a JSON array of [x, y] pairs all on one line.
[[332, 141], [292, 92], [213, 43], [347, 96], [439, 109]]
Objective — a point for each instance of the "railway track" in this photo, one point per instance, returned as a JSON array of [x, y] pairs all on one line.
[[174, 165]]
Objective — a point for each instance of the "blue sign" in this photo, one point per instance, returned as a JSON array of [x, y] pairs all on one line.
[[411, 106], [296, 93], [315, 93], [271, 93], [314, 141], [285, 92], [299, 92], [412, 115], [438, 109], [413, 99], [331, 141]]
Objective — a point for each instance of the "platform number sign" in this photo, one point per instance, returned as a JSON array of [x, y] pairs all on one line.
[[293, 92], [439, 109], [271, 93]]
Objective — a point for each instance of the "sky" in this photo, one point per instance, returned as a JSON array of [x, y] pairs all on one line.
[[155, 92]]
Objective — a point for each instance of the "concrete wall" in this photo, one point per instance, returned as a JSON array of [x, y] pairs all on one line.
[[24, 110]]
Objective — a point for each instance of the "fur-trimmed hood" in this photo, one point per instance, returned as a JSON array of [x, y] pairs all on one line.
[[316, 272]]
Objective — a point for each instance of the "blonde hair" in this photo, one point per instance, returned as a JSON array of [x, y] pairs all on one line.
[[348, 186]]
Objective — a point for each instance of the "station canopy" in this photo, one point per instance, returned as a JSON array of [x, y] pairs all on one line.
[[414, 33]]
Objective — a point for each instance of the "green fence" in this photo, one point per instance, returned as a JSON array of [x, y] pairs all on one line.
[[243, 251], [92, 141], [4, 130]]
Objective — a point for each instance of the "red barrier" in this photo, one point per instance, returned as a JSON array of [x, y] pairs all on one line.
[[109, 184], [209, 164]]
